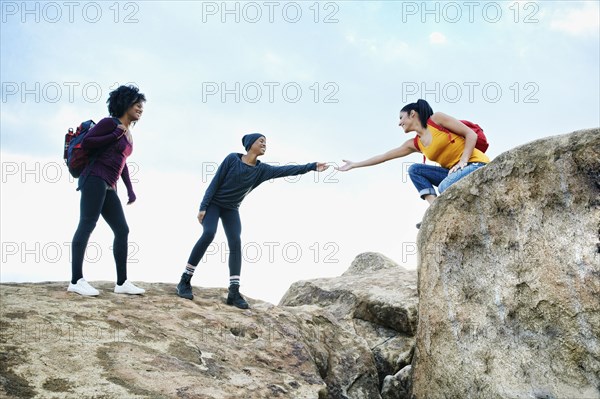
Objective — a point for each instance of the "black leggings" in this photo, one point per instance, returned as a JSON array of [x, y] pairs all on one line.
[[233, 230], [97, 200]]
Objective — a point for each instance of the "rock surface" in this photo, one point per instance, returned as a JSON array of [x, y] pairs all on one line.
[[375, 299], [55, 344], [508, 307], [339, 345], [509, 278], [397, 386]]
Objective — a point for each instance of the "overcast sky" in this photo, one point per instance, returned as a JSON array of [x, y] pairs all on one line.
[[323, 81]]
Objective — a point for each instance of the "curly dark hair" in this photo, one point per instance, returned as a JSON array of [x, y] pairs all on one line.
[[123, 97]]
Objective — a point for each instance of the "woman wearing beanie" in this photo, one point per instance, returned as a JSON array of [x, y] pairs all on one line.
[[111, 143], [236, 177], [442, 139]]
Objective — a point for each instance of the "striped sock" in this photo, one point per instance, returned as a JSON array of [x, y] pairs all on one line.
[[234, 280], [190, 269]]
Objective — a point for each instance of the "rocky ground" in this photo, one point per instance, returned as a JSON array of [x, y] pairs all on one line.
[[506, 305], [56, 344]]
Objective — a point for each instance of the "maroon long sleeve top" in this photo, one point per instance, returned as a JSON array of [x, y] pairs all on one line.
[[113, 149]]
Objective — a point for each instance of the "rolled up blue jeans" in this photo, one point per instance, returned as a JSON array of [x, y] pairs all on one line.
[[426, 177]]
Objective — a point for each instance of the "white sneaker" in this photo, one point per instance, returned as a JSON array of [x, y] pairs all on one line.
[[128, 288], [83, 288]]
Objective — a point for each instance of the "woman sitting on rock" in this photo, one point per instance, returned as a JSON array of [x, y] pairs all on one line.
[[237, 175], [442, 139]]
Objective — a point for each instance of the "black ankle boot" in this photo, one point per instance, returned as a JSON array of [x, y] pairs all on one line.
[[234, 298], [184, 288]]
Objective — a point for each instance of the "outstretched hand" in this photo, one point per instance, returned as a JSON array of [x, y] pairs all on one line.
[[321, 166], [348, 165]]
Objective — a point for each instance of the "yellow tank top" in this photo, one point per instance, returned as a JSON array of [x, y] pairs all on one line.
[[446, 148]]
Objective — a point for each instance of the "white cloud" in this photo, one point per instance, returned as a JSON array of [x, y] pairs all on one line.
[[578, 22], [437, 38]]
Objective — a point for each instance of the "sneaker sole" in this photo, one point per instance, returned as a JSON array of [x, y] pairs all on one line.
[[239, 307], [130, 293], [82, 294]]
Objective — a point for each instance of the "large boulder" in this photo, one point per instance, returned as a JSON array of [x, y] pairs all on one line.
[[55, 344], [375, 299], [509, 278]]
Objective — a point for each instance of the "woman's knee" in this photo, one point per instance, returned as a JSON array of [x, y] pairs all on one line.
[[87, 225], [208, 235], [454, 177], [415, 169], [444, 185], [123, 230]]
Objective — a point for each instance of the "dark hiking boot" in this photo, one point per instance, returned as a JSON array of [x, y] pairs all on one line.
[[184, 288], [234, 298]]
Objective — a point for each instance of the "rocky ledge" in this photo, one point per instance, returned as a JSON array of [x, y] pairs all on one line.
[[55, 344]]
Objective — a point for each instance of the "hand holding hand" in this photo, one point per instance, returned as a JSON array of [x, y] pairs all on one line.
[[348, 165], [321, 166]]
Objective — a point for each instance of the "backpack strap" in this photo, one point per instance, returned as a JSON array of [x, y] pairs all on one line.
[[93, 158], [442, 129], [416, 144]]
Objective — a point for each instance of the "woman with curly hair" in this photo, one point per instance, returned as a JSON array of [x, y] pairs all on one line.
[[110, 143]]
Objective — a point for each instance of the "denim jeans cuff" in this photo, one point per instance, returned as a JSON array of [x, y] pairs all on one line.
[[427, 191]]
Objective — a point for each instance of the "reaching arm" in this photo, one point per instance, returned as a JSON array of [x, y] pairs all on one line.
[[274, 172], [405, 149], [460, 129]]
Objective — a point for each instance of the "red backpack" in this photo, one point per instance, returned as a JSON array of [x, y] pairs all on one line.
[[75, 156], [481, 144]]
